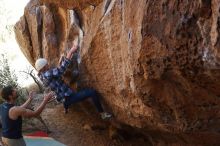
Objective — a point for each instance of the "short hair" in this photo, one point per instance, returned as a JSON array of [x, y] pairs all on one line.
[[6, 92]]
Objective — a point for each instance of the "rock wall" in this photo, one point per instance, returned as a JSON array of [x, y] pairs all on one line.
[[156, 63]]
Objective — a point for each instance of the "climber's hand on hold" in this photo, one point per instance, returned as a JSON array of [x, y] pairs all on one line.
[[71, 51], [74, 48]]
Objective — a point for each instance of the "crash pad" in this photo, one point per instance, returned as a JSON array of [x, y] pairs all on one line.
[[40, 138]]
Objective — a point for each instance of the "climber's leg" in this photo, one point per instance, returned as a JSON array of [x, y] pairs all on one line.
[[82, 95]]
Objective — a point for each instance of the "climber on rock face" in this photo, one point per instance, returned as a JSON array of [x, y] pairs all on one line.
[[52, 77]]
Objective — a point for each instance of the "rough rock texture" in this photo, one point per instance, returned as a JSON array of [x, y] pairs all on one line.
[[156, 63]]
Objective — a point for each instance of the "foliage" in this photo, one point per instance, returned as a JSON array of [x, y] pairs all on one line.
[[8, 77], [9, 13], [23, 93], [30, 73]]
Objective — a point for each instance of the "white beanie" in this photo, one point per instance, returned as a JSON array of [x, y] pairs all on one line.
[[40, 63]]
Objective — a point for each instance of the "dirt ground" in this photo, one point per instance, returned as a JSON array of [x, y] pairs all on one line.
[[82, 127]]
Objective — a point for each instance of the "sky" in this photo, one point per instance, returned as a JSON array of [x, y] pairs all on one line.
[[10, 47]]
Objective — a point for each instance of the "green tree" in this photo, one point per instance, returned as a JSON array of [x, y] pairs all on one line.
[[8, 16], [7, 77]]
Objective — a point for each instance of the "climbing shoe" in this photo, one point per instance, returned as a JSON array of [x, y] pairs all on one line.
[[106, 116]]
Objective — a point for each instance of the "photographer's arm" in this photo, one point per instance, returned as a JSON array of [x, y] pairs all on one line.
[[17, 111]]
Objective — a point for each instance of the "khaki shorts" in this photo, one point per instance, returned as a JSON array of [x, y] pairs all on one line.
[[13, 142]]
